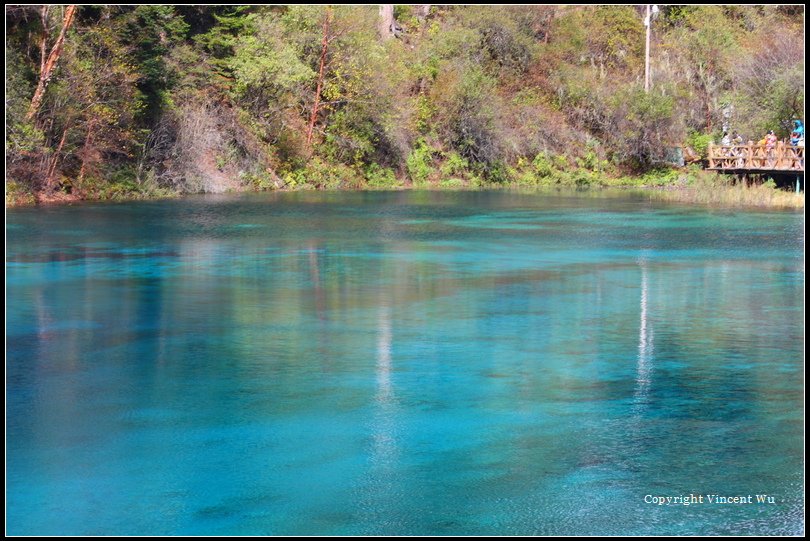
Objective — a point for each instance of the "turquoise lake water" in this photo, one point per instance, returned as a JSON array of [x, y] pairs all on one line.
[[403, 363]]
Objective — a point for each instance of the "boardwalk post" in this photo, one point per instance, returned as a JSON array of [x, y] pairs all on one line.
[[749, 155], [711, 154], [780, 155]]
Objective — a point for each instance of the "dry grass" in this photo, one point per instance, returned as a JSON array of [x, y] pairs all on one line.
[[718, 192]]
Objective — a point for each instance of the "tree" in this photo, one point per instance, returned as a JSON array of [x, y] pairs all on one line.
[[97, 99], [151, 33], [645, 127], [386, 21], [769, 83], [705, 42], [327, 19], [232, 22], [48, 64]]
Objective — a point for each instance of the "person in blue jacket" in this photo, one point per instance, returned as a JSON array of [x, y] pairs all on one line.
[[798, 133]]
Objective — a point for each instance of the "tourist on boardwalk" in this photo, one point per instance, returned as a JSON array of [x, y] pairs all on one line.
[[797, 145], [738, 153], [725, 143], [798, 133], [770, 145]]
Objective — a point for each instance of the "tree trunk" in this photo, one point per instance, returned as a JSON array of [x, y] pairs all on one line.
[[422, 11], [54, 160], [47, 67], [43, 44], [86, 152], [708, 112], [324, 49], [386, 20]]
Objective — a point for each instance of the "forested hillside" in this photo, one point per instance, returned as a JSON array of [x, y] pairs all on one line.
[[115, 101]]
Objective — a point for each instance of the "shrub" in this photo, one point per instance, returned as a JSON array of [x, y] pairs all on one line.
[[470, 114], [454, 164], [420, 162], [644, 126], [452, 183], [699, 142], [380, 177], [319, 175]]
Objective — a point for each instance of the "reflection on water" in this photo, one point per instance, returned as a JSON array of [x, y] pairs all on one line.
[[384, 390], [383, 488], [645, 342], [384, 452], [402, 363]]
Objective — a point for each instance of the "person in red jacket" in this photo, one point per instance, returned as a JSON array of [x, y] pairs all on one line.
[[770, 140]]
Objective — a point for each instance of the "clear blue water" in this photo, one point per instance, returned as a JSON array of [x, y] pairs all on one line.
[[402, 363]]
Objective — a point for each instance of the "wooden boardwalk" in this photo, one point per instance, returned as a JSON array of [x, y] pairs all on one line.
[[754, 158]]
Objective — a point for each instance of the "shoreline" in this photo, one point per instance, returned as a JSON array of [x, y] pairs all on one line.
[[756, 197]]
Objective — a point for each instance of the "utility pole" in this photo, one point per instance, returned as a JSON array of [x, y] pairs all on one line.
[[648, 24], [652, 11]]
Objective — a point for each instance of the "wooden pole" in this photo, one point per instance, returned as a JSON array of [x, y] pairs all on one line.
[[647, 52], [780, 155], [387, 20], [749, 155], [711, 154]]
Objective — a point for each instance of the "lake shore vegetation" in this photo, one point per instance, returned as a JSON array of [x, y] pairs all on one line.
[[128, 102]]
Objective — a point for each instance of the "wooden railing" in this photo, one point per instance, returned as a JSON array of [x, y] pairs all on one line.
[[780, 157]]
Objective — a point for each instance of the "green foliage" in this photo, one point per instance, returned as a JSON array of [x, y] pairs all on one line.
[[22, 136], [543, 165], [707, 42], [497, 172], [454, 165], [232, 22], [419, 163], [260, 181], [319, 175], [645, 123], [591, 162], [151, 32], [19, 87], [18, 193], [264, 67], [664, 176], [675, 15], [699, 142], [770, 183], [380, 177], [473, 96], [503, 43], [452, 183], [470, 120], [607, 37], [555, 170], [771, 92], [616, 36], [425, 112]]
